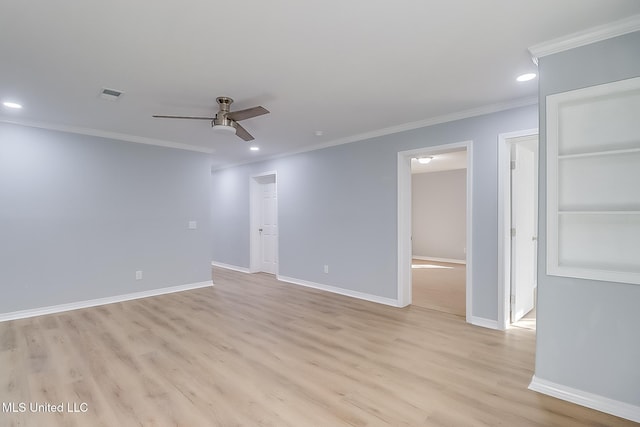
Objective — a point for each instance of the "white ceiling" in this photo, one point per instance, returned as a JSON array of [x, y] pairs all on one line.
[[347, 68]]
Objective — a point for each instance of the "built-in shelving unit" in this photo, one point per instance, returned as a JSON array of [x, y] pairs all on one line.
[[593, 182]]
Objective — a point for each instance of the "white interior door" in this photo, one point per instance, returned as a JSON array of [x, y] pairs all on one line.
[[523, 223], [268, 228]]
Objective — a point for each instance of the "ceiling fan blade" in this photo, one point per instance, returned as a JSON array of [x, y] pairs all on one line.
[[242, 133], [247, 114], [183, 117]]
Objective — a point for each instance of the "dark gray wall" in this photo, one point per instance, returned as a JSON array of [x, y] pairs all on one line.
[[439, 212], [338, 206], [588, 331], [79, 215]]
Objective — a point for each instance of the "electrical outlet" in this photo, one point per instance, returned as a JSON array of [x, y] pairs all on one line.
[[139, 275], [326, 268]]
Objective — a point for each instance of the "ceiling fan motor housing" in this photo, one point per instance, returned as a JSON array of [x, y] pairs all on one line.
[[221, 118]]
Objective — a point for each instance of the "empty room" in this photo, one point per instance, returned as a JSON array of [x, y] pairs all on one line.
[[211, 213], [438, 231]]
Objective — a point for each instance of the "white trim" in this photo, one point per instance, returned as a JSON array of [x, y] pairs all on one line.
[[106, 134], [405, 250], [445, 118], [582, 38], [263, 174], [230, 267], [434, 259], [404, 219], [469, 243], [504, 223], [484, 323], [100, 301], [583, 398], [347, 292]]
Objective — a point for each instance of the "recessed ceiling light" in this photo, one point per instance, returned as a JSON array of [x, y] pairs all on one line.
[[14, 105], [526, 77], [318, 133], [424, 160], [254, 148]]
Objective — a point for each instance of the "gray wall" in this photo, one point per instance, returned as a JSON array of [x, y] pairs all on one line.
[[79, 215], [338, 206], [588, 331], [438, 210]]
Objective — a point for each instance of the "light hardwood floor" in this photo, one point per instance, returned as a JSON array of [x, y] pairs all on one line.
[[253, 351], [439, 286]]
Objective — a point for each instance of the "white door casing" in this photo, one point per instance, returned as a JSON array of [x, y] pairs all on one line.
[[523, 248], [404, 222]]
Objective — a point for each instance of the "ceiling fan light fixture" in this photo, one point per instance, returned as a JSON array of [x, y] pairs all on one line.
[[224, 128]]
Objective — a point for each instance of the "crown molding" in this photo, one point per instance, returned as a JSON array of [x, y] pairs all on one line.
[[464, 114], [582, 38], [106, 134]]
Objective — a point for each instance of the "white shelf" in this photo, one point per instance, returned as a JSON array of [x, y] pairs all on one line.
[[593, 171], [598, 153], [599, 212]]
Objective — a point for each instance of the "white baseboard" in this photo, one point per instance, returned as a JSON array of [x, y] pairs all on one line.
[[485, 323], [434, 259], [354, 294], [99, 301], [583, 398], [230, 267]]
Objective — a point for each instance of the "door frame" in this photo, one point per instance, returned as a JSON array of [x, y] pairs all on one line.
[[255, 211], [405, 226], [504, 223]]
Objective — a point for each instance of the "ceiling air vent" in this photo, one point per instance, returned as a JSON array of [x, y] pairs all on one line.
[[110, 94]]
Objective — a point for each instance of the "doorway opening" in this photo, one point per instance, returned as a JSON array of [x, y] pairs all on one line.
[[408, 266], [438, 204], [518, 228], [263, 227]]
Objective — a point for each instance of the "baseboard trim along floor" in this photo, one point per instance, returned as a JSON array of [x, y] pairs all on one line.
[[99, 301], [347, 292], [230, 267], [484, 323], [435, 259], [590, 400]]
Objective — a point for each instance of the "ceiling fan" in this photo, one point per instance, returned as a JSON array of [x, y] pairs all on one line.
[[227, 120]]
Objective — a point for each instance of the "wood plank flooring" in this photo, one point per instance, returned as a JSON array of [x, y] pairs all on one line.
[[439, 286], [256, 352]]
